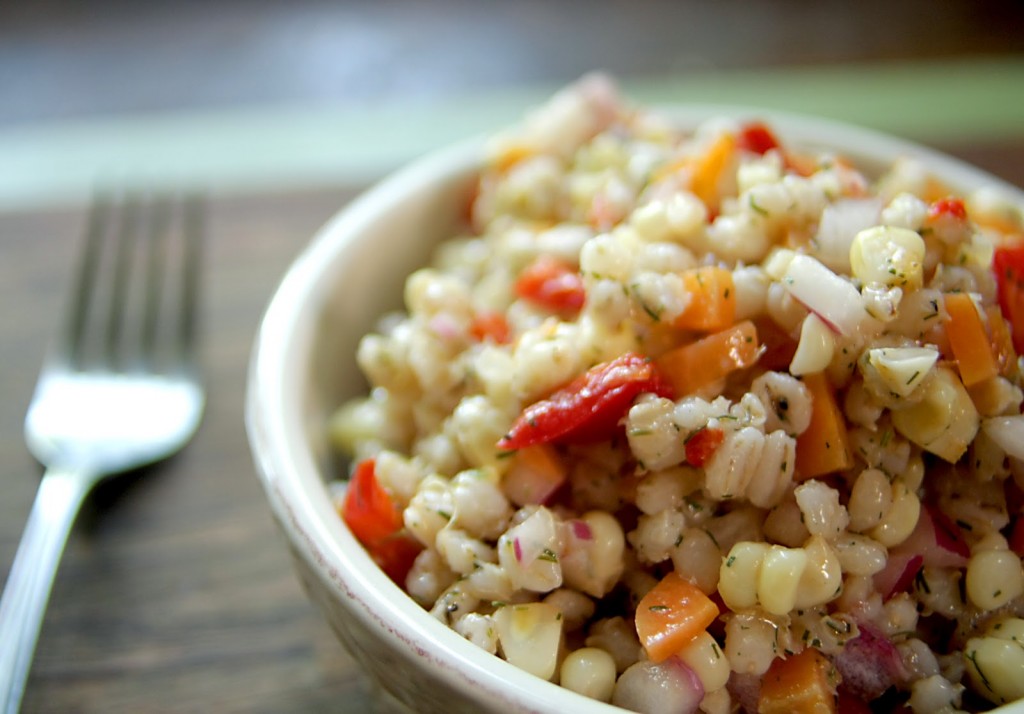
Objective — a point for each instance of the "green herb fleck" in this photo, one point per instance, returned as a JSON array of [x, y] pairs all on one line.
[[548, 555]]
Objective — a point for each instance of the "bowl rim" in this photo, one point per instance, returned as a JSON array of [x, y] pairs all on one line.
[[289, 472], [293, 483]]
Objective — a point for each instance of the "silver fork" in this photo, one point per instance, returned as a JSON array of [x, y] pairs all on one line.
[[120, 390]]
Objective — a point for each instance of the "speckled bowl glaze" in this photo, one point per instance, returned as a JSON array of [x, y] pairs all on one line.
[[303, 366]]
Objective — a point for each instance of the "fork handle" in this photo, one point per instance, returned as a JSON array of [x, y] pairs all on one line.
[[57, 502]]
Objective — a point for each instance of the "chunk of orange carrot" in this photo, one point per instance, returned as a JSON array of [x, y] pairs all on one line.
[[708, 171], [804, 683], [712, 299], [824, 447], [671, 614], [701, 363], [968, 340]]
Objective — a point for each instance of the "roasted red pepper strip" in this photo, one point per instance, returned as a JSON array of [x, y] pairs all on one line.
[[590, 407], [376, 522], [552, 284], [702, 444], [1008, 265]]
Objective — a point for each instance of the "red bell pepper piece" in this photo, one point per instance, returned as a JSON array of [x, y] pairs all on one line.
[[368, 509], [376, 522], [490, 327], [757, 137], [396, 555], [952, 207], [552, 284], [1008, 265], [590, 407]]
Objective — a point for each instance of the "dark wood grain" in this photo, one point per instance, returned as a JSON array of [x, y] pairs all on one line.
[[176, 593]]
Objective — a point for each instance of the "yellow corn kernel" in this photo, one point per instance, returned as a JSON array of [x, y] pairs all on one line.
[[589, 671], [859, 554], [738, 575], [822, 579], [777, 262], [870, 499], [913, 474], [995, 662], [703, 655], [888, 255], [605, 561], [945, 421], [530, 636], [901, 518], [902, 369], [994, 577], [816, 347], [779, 578], [1012, 628]]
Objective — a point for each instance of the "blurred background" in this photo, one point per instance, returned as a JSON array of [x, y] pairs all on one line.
[[260, 94]]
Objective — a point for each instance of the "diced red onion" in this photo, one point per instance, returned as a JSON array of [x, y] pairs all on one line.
[[444, 326], [581, 529], [898, 574], [870, 663], [1016, 539], [937, 539]]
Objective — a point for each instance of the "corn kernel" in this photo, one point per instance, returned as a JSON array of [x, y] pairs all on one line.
[[738, 575], [902, 369], [822, 579], [996, 668], [1012, 628], [703, 655], [888, 255], [994, 577], [816, 347], [779, 578], [870, 499], [901, 517], [530, 635], [945, 421], [590, 671]]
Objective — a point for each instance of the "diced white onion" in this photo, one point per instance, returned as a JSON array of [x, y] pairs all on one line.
[[1008, 433], [840, 222], [834, 299]]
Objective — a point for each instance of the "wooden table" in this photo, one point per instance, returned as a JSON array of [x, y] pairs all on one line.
[[176, 594]]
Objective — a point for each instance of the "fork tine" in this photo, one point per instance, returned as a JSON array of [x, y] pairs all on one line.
[[156, 238], [124, 251], [73, 335], [194, 220], [103, 328]]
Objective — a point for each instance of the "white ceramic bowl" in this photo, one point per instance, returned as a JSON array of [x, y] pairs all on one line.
[[303, 366]]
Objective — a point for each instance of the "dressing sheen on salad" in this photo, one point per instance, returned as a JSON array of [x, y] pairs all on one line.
[[707, 420]]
